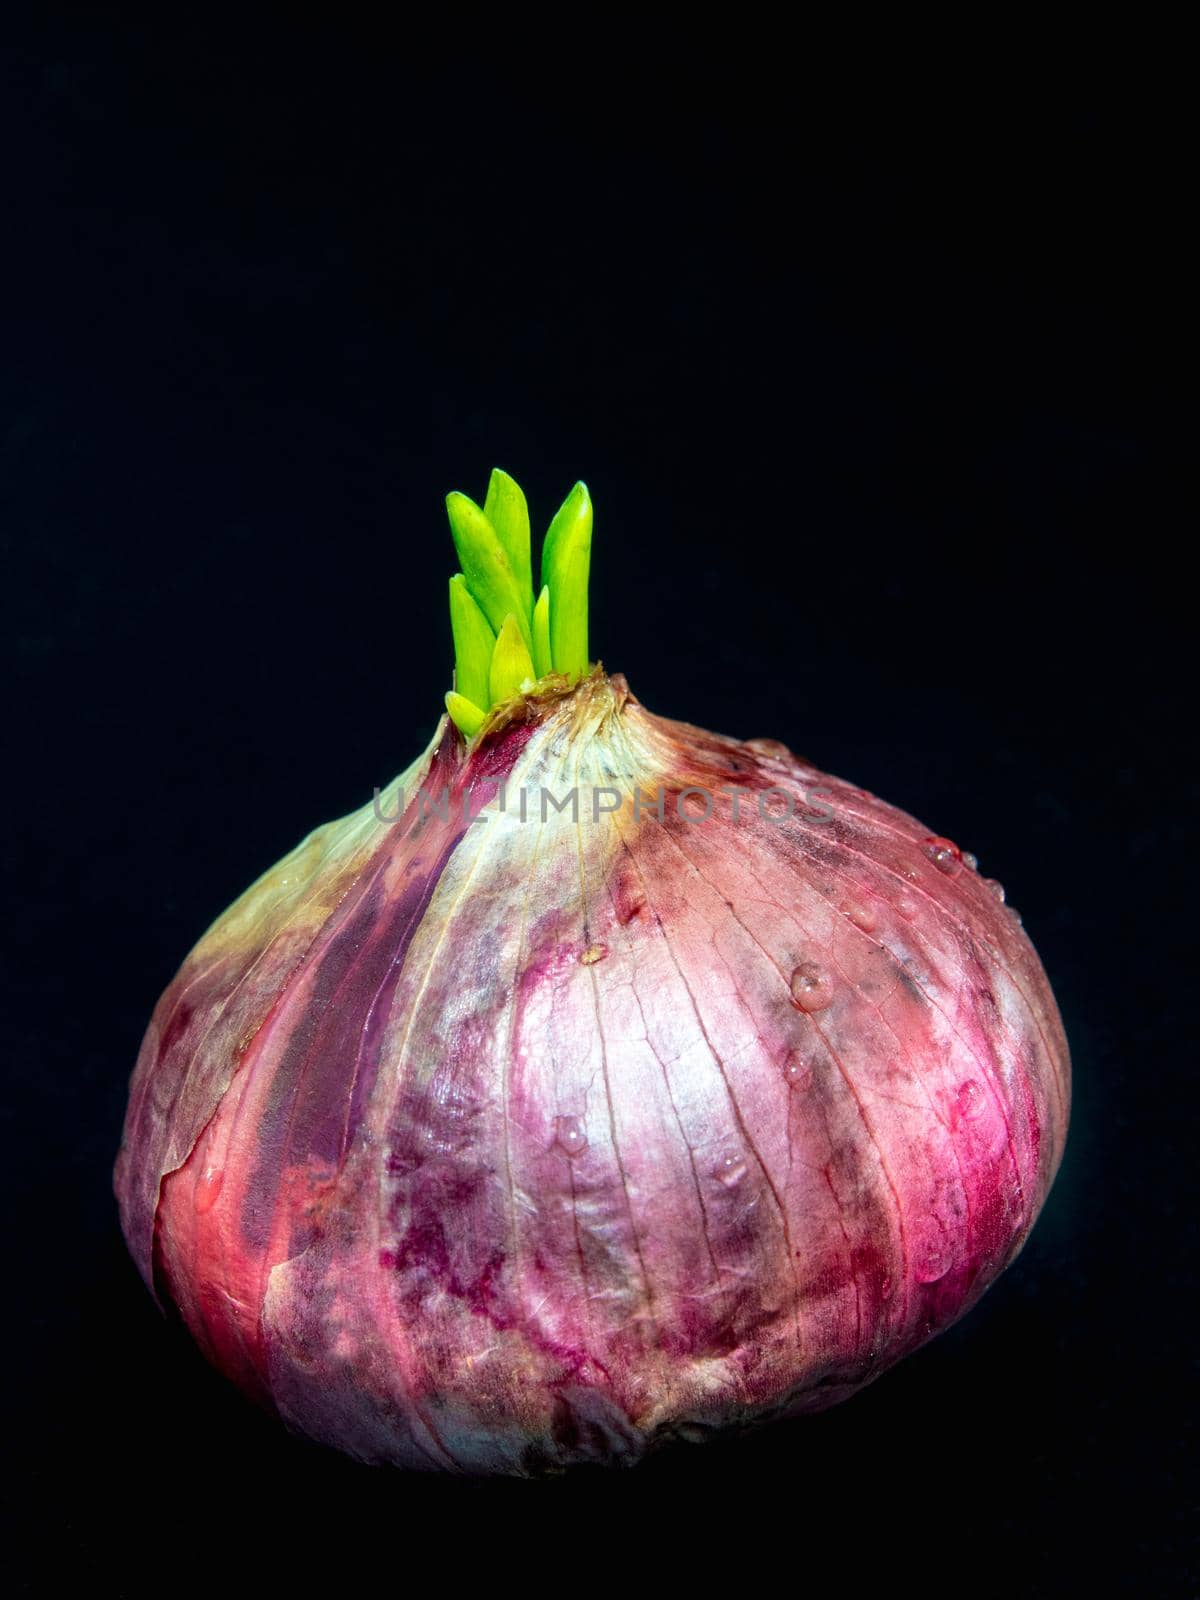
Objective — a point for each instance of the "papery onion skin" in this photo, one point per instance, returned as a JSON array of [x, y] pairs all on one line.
[[502, 1146]]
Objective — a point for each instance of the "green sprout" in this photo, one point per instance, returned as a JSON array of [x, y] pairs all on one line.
[[504, 643]]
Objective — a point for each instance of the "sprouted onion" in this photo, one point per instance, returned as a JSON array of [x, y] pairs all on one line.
[[603, 1082]]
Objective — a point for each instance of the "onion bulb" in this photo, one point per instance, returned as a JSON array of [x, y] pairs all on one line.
[[603, 1082]]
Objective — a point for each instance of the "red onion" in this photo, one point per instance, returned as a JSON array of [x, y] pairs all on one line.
[[489, 1136]]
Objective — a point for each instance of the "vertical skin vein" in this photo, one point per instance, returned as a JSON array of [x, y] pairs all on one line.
[[717, 1272], [881, 824], [432, 966], [247, 1354], [247, 1067], [985, 1068], [612, 1119], [1010, 976], [740, 1120], [297, 903], [575, 1227], [245, 1108], [514, 1232], [403, 1058], [834, 1056], [691, 1154], [686, 1142], [846, 1240], [250, 1108], [866, 1121], [583, 1271], [311, 1058]]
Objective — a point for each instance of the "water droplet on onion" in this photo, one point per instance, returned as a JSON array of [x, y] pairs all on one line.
[[945, 855], [970, 860], [798, 1072], [731, 1171], [934, 1264], [771, 748], [907, 908], [996, 887], [969, 1100], [569, 1135], [860, 915], [812, 987], [208, 1188]]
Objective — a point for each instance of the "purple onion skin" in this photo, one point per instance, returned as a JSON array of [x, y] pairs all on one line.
[[499, 1147]]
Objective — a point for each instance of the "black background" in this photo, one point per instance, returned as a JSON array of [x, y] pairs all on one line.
[[869, 392]]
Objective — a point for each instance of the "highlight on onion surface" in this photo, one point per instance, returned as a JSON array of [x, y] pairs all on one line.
[[604, 1081]]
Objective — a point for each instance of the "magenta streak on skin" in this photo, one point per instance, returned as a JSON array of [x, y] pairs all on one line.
[[305, 1080], [315, 1102]]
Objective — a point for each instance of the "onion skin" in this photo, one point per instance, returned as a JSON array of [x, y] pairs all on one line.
[[501, 1146]]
